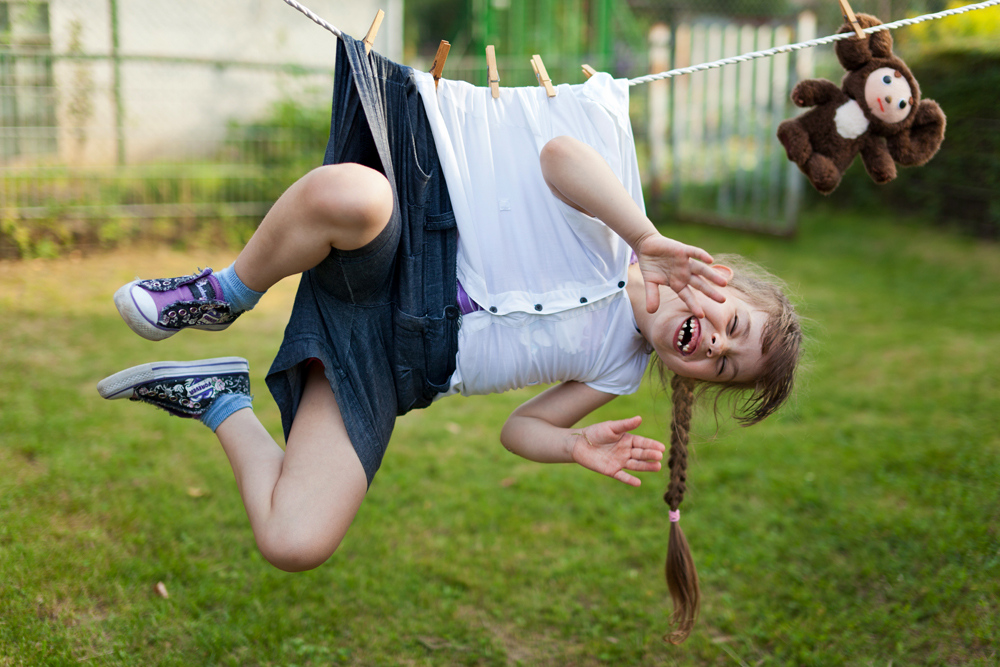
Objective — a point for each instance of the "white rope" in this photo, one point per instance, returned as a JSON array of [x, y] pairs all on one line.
[[308, 12], [804, 45], [746, 56]]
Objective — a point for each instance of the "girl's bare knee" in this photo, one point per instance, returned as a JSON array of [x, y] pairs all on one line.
[[354, 201], [293, 552]]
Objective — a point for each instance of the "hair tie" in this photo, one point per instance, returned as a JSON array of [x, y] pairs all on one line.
[[675, 516]]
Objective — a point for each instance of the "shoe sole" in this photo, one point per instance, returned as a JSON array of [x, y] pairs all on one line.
[[123, 383], [138, 322]]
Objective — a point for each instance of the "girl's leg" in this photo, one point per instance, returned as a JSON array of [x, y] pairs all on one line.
[[302, 500], [342, 206]]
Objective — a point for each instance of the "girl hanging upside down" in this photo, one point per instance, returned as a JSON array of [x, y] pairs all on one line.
[[453, 243]]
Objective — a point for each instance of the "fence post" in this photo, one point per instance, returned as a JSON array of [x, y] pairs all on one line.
[[116, 89], [805, 30], [659, 61], [681, 44]]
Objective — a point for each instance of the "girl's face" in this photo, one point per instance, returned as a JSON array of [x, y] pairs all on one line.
[[724, 346]]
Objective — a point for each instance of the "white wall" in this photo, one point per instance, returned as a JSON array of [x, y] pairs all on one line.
[[174, 109]]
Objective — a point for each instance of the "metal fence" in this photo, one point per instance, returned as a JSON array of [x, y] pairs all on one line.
[[124, 117], [713, 155]]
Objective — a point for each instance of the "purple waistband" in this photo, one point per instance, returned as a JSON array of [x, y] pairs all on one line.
[[465, 304]]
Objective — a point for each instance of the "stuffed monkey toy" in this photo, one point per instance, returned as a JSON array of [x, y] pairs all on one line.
[[877, 112]]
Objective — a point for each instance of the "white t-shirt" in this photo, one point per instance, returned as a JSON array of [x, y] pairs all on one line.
[[596, 344], [550, 278]]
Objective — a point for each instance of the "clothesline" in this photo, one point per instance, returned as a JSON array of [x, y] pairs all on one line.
[[804, 45], [746, 56]]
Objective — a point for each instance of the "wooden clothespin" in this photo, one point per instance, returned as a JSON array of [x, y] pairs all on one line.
[[442, 55], [588, 71], [493, 72], [848, 13], [542, 75], [369, 39]]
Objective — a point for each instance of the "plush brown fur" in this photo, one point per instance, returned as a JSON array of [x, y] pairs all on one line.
[[813, 142]]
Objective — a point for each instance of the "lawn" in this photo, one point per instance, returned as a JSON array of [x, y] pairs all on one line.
[[857, 527]]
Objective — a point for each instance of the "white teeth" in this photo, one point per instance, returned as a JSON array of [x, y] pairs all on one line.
[[686, 330]]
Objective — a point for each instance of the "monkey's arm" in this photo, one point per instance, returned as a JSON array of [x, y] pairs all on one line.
[[921, 142], [813, 92]]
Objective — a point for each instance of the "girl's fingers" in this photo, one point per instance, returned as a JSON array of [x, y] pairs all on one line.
[[708, 271], [643, 466], [623, 426], [641, 442], [687, 295], [706, 288], [629, 423], [623, 476], [652, 296], [650, 455], [697, 253]]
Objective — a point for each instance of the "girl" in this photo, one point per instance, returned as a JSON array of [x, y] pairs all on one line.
[[374, 331]]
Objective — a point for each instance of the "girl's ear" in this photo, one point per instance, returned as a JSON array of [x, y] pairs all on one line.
[[724, 270]]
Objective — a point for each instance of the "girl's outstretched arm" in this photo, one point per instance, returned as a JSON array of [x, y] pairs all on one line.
[[579, 176], [541, 430]]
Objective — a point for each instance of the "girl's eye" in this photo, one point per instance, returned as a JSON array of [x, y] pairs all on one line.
[[722, 366], [736, 321], [886, 79]]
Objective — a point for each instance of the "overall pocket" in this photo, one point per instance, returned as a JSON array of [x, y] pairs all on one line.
[[425, 350]]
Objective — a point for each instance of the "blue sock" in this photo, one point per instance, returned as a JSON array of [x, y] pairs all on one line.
[[223, 407], [238, 295]]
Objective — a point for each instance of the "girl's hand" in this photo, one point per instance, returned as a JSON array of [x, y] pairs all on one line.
[[609, 448], [682, 268]]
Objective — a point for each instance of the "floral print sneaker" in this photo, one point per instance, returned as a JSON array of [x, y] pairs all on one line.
[[182, 388], [157, 309]]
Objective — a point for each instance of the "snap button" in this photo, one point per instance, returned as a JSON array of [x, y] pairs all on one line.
[[583, 299], [538, 306], [451, 312], [493, 309], [621, 283]]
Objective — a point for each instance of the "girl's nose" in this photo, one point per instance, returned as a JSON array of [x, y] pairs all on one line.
[[717, 344]]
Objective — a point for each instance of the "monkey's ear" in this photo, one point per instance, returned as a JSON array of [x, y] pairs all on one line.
[[918, 144], [879, 43], [855, 53]]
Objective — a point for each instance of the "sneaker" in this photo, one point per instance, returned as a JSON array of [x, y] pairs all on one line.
[[157, 309], [182, 388]]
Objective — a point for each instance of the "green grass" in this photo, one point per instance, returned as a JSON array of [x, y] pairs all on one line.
[[858, 527]]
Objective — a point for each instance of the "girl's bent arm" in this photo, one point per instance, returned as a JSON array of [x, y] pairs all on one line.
[[541, 430], [579, 176]]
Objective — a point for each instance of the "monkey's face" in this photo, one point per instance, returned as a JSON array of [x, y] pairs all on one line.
[[888, 95]]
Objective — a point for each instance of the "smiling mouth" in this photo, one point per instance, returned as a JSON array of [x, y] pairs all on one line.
[[688, 335]]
